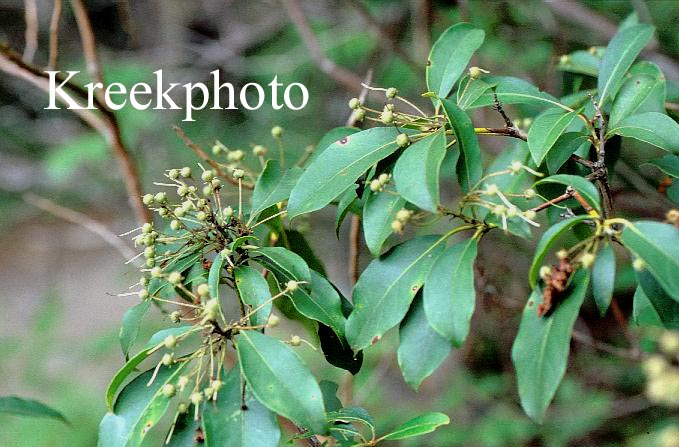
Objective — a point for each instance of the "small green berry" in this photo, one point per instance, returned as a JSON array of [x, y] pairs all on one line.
[[391, 92], [383, 178], [147, 228], [273, 321], [277, 132], [291, 286], [170, 342], [179, 211], [144, 281], [354, 103], [387, 116], [208, 175], [163, 211], [147, 199], [168, 390], [403, 215], [259, 151], [359, 114], [150, 262], [474, 72], [238, 173], [161, 197], [173, 174], [402, 140], [203, 290], [175, 316], [185, 172]]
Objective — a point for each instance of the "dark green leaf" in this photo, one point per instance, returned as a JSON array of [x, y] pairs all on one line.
[[469, 165], [651, 127], [28, 407], [130, 328], [669, 164], [515, 91], [330, 399], [540, 350], [283, 260], [586, 188], [644, 90], [254, 291], [470, 90], [652, 306], [215, 275], [379, 212], [281, 381], [344, 206], [567, 144], [299, 245], [603, 278], [273, 185], [546, 130], [582, 62], [332, 136], [420, 425]]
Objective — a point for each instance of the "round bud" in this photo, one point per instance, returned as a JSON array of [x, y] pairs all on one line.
[[236, 156], [203, 290], [391, 92], [201, 215], [673, 216], [163, 211], [156, 272], [192, 189], [175, 316], [144, 281], [149, 252], [201, 204], [208, 175], [161, 197], [562, 254], [273, 320], [168, 359], [387, 116], [238, 173], [397, 226], [564, 59], [389, 107], [530, 214], [216, 149], [168, 390], [491, 189], [216, 183], [359, 114], [639, 265], [150, 262], [185, 172], [592, 51], [383, 178], [529, 193], [474, 72], [403, 215], [182, 190], [259, 151], [173, 174], [217, 385], [179, 211], [402, 140], [212, 306], [277, 131], [175, 278], [516, 167], [291, 286], [182, 382], [512, 211], [273, 237], [147, 199], [149, 239], [375, 185], [209, 391], [196, 398], [499, 210], [354, 103], [587, 260], [526, 122], [295, 340], [669, 342], [147, 228], [207, 190], [654, 365], [227, 212], [545, 272], [175, 225], [182, 408], [143, 294]]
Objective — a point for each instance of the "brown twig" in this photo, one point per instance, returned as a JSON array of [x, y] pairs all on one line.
[[351, 121], [354, 248], [31, 15], [605, 347], [54, 35], [341, 75], [570, 192], [88, 40]]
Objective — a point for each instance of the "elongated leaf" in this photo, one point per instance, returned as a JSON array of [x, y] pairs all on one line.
[[416, 173], [130, 328], [651, 127], [420, 425], [586, 189], [547, 242], [546, 130], [515, 91], [567, 144], [281, 381], [621, 52], [386, 288], [283, 260], [582, 62], [450, 55], [379, 212], [273, 185], [330, 137], [421, 349], [337, 351], [669, 164], [540, 350], [28, 407], [470, 90], [215, 275], [644, 90], [344, 206], [469, 165], [228, 423], [652, 306], [254, 291], [449, 295], [299, 245], [138, 409], [657, 244], [338, 167], [603, 278]]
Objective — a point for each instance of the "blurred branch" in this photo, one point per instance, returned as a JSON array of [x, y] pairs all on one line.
[[31, 14], [88, 41], [421, 13], [605, 347], [54, 35], [81, 220], [339, 74]]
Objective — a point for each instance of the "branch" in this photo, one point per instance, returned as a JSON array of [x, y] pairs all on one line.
[[54, 35], [31, 15], [88, 41], [341, 75]]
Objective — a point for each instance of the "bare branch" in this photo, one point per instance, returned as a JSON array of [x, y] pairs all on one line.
[[31, 15], [351, 121], [354, 249], [88, 41], [54, 35]]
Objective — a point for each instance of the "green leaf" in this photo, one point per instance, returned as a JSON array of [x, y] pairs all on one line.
[[652, 306], [586, 189], [298, 244], [603, 278], [621, 52], [582, 62], [651, 127], [514, 91], [669, 164], [130, 328], [138, 408], [386, 288], [332, 136], [273, 185], [545, 130], [28, 407], [567, 144], [656, 244], [227, 422], [185, 432], [644, 90], [449, 295], [416, 173], [469, 165], [379, 212], [215, 275], [284, 261], [254, 291], [421, 349], [540, 350], [547, 242], [337, 351], [344, 206], [450, 55], [420, 425], [338, 167], [281, 381], [470, 90], [330, 399]]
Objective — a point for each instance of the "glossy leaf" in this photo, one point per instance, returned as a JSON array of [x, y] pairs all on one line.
[[330, 137], [469, 165], [644, 90], [540, 350], [586, 188], [449, 295], [603, 278], [669, 164], [421, 349], [285, 261], [546, 130], [418, 426], [546, 244], [450, 55], [254, 291], [227, 423], [131, 322], [651, 127], [273, 185], [470, 90], [416, 173], [621, 52], [338, 167], [379, 212], [281, 381], [386, 288], [215, 275], [344, 206], [657, 244], [652, 305], [582, 62], [511, 90], [567, 144], [299, 245], [18, 406]]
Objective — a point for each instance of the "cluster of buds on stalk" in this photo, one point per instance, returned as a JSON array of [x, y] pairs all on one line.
[[661, 370]]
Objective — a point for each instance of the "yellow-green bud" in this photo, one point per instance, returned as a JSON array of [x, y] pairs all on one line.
[[168, 359], [639, 265], [170, 342], [391, 93], [196, 398], [201, 215], [182, 190], [530, 193], [168, 390], [147, 199], [273, 321], [235, 156], [387, 116], [143, 294], [587, 260], [182, 408], [238, 173], [512, 211], [403, 215], [397, 226], [216, 149], [175, 316], [491, 189], [545, 272], [156, 272], [182, 382], [383, 178], [295, 340], [147, 228], [375, 185], [530, 214], [474, 72], [179, 211], [402, 140], [217, 385], [228, 212], [185, 172], [564, 59], [161, 197], [669, 342], [359, 114], [203, 290], [516, 167], [354, 103], [173, 174], [149, 252], [499, 210], [259, 150], [208, 175], [654, 365], [562, 254], [291, 286], [175, 225], [277, 131]]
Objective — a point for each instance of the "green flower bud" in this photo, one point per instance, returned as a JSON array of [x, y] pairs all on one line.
[[259, 151], [491, 189], [354, 103], [144, 281], [196, 398], [167, 360], [291, 286], [161, 197], [147, 228], [175, 278], [397, 226], [168, 390], [587, 260], [499, 210], [277, 132], [530, 214], [150, 262], [182, 190], [273, 321], [387, 116], [201, 215], [143, 294], [179, 211], [390, 107], [383, 178], [359, 114], [529, 193], [209, 391], [163, 211], [295, 340], [216, 149], [235, 156], [182, 408], [238, 173], [175, 225], [192, 189], [149, 252], [185, 172], [173, 174], [147, 199], [227, 212], [208, 175], [402, 140], [156, 272], [216, 183], [375, 185], [203, 290], [182, 382], [175, 316], [170, 342], [545, 272], [217, 385], [391, 92], [403, 215], [207, 190]]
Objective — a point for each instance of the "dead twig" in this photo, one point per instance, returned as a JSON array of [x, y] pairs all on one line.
[[54, 35], [31, 15]]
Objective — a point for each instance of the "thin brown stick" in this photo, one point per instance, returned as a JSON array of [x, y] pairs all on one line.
[[351, 121], [88, 40], [31, 15], [565, 196], [54, 35], [605, 347], [421, 14], [339, 74], [82, 220], [354, 249]]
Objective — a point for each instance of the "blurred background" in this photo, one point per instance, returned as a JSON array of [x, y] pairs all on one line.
[[59, 313]]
